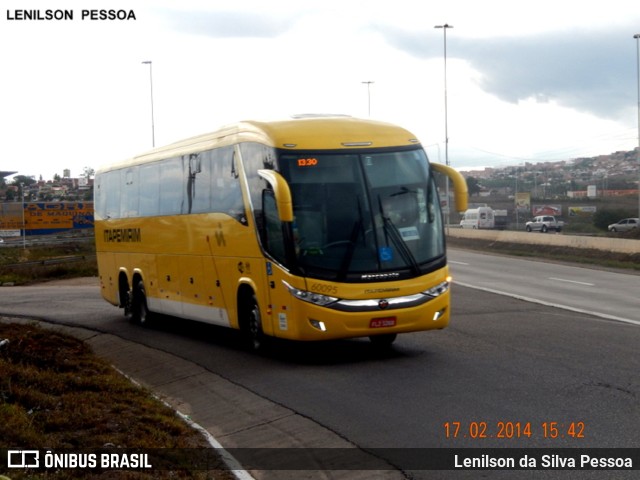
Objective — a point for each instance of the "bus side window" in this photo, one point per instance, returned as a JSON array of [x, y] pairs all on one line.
[[272, 227], [225, 183]]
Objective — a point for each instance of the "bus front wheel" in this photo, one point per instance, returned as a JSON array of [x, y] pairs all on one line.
[[254, 326]]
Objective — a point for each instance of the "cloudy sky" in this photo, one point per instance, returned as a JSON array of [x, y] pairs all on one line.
[[526, 81]]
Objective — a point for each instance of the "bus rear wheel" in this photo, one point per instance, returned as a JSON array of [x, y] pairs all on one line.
[[139, 311]]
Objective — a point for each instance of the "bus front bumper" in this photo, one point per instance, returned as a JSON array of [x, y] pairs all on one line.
[[309, 322]]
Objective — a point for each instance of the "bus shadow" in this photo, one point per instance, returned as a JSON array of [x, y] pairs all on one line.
[[329, 352]]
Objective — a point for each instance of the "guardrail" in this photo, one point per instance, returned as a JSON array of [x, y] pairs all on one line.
[[609, 244], [49, 261], [38, 240]]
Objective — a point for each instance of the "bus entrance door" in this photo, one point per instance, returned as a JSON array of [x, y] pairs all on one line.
[[280, 305]]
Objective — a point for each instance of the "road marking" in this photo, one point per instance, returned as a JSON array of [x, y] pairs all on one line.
[[572, 281], [550, 304], [458, 263]]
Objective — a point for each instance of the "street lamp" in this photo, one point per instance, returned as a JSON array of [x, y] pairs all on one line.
[[153, 132], [637, 37], [446, 121], [368, 83], [24, 224], [446, 133]]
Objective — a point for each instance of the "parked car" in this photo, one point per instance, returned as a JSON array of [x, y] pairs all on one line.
[[624, 225], [543, 223]]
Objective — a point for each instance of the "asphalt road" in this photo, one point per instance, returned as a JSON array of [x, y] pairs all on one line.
[[608, 294], [503, 361]]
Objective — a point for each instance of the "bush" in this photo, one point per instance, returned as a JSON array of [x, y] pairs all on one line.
[[603, 218]]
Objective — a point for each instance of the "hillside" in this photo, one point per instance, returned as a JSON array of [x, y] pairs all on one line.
[[615, 171]]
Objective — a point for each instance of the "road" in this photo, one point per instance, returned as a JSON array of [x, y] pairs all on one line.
[[502, 361], [599, 292]]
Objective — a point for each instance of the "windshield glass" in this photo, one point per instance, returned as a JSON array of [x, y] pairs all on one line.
[[364, 216]]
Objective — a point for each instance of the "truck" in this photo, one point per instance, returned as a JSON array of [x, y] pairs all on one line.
[[544, 223], [481, 217]]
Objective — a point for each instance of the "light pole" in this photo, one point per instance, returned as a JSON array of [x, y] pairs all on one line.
[[637, 37], [516, 200], [446, 117], [446, 128], [368, 83], [153, 129], [24, 224]]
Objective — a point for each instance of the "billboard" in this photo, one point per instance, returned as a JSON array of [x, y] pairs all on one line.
[[584, 211], [523, 202], [547, 210], [41, 218]]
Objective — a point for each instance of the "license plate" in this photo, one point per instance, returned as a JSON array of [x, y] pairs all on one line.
[[382, 322]]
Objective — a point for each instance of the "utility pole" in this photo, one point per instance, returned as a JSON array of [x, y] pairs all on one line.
[[153, 129], [368, 83]]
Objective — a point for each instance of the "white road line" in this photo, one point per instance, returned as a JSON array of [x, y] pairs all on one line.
[[572, 281], [550, 304]]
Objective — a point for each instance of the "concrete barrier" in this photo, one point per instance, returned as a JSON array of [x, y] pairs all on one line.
[[620, 245]]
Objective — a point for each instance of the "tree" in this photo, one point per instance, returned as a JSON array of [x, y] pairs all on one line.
[[603, 218], [18, 179], [473, 186]]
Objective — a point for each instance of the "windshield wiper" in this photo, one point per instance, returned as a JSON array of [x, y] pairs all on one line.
[[392, 231], [402, 191], [348, 256]]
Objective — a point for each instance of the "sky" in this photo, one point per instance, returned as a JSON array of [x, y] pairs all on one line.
[[526, 81]]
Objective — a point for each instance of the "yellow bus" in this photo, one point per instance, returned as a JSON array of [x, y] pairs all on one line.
[[310, 228]]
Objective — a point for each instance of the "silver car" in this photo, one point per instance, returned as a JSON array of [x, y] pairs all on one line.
[[624, 225]]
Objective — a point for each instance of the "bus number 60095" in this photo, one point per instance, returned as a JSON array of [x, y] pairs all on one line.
[[324, 289]]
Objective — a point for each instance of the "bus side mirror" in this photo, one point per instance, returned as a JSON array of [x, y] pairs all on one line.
[[282, 193], [461, 193]]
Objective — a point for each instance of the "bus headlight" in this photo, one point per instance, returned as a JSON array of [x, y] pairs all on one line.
[[311, 297], [438, 289]]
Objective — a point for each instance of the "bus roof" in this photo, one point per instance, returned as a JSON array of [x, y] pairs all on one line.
[[303, 132]]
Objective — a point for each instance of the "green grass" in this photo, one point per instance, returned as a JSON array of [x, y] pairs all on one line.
[[17, 263]]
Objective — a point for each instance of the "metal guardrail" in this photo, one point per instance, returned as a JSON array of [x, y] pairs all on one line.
[[610, 244], [50, 261]]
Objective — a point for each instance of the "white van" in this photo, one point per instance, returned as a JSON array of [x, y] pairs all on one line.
[[481, 217]]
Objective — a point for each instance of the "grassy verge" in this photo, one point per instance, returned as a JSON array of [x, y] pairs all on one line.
[[55, 393], [22, 266]]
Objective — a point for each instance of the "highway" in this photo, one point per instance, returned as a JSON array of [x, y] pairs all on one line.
[[607, 294], [502, 361]]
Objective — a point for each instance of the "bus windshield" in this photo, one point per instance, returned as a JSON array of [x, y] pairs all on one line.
[[364, 216]]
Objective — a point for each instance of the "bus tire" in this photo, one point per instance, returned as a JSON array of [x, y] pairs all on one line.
[[125, 295], [139, 311], [253, 326], [383, 341], [126, 305]]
